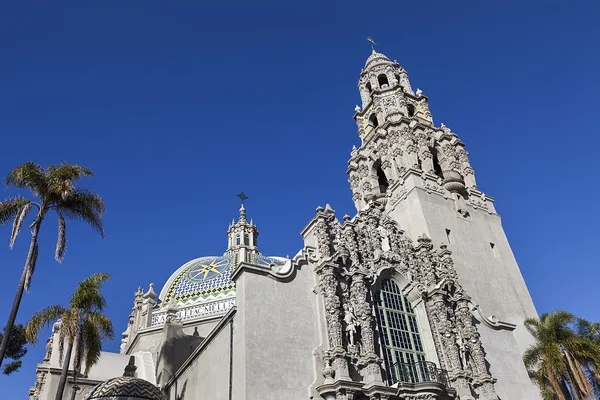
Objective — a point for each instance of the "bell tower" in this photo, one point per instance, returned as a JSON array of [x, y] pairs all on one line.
[[422, 176]]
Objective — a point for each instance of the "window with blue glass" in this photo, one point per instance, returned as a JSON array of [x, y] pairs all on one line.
[[399, 333]]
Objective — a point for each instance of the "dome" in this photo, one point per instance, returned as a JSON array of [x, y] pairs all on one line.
[[206, 278], [125, 388], [376, 58]]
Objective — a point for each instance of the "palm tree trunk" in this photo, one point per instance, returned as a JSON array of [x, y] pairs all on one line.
[[21, 288], [63, 373]]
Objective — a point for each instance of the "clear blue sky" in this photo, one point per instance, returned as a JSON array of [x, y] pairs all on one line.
[[177, 106]]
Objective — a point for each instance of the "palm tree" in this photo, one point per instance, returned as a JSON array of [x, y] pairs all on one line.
[[591, 330], [559, 357], [52, 189], [82, 327]]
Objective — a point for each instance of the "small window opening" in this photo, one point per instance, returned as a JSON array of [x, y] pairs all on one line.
[[494, 250], [448, 237], [411, 110], [369, 88], [382, 180], [238, 239], [373, 120], [397, 76], [383, 81], [247, 239]]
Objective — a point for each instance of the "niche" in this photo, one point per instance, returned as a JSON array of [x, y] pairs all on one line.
[[373, 120], [382, 180], [383, 81]]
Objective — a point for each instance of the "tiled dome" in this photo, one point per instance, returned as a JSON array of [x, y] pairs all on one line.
[[209, 277], [125, 388]]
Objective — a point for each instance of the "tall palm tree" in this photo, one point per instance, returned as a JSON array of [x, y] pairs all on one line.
[[559, 357], [52, 189], [82, 327], [591, 330]]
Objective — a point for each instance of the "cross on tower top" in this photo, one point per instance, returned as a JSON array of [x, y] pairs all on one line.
[[242, 196], [373, 44]]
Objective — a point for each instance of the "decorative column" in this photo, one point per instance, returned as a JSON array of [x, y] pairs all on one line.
[[483, 382], [448, 339], [409, 150], [465, 167], [336, 355], [369, 360], [424, 153]]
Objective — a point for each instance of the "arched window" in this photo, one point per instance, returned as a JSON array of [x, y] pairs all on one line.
[[381, 178], [399, 334], [373, 120], [246, 239], [436, 163], [238, 239], [411, 110], [369, 88], [383, 80]]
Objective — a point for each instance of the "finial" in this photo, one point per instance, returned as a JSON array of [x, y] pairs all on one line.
[[196, 331], [242, 196], [356, 108], [373, 44], [419, 92], [242, 214], [150, 294]]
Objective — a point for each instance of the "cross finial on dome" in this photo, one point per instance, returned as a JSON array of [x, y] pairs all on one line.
[[243, 197], [373, 44]]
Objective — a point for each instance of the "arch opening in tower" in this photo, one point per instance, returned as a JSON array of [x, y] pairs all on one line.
[[382, 180], [373, 120], [383, 81]]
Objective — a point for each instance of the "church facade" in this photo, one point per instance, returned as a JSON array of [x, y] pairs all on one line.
[[417, 296]]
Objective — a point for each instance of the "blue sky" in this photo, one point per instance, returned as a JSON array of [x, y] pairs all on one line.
[[177, 106]]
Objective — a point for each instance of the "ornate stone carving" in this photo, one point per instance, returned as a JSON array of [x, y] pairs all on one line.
[[48, 348], [368, 243], [328, 286]]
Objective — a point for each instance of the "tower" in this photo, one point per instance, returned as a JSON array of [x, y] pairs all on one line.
[[423, 175], [421, 294]]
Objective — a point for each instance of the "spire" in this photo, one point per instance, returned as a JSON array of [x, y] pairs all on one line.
[[242, 235]]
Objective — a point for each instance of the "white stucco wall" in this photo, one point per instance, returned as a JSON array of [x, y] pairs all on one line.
[[276, 323], [491, 278], [207, 376]]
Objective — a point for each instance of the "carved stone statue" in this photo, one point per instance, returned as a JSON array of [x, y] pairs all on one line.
[[48, 348], [462, 350], [351, 323]]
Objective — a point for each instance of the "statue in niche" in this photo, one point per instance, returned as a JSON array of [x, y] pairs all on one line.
[[463, 352], [48, 348], [351, 324]]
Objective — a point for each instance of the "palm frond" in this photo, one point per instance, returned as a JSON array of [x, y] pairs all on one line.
[[66, 171], [92, 343], [44, 317], [61, 243], [18, 222], [532, 325], [10, 208], [533, 355], [29, 175], [102, 324], [87, 295], [31, 265], [86, 206]]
